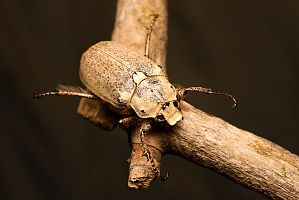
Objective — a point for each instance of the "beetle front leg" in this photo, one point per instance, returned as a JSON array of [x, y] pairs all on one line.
[[128, 123], [145, 127], [182, 93]]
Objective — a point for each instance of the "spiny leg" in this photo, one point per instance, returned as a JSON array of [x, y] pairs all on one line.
[[183, 91], [148, 35], [130, 121], [63, 90], [144, 128]]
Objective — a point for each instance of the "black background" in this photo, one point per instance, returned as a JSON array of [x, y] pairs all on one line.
[[47, 151]]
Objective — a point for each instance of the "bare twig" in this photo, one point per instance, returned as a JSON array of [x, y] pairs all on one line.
[[245, 158]]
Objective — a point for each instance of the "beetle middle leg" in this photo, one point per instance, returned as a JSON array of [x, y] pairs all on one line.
[[148, 35]]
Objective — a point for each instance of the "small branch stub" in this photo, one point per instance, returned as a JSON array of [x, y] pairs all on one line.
[[141, 172]]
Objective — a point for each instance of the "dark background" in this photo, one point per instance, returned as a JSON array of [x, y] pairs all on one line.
[[47, 151]]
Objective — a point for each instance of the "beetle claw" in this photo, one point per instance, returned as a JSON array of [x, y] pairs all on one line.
[[127, 122]]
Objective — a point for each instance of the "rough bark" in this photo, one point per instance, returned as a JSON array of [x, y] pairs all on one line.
[[245, 158]]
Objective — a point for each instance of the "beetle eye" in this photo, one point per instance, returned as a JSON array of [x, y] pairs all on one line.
[[176, 104], [160, 117], [165, 105]]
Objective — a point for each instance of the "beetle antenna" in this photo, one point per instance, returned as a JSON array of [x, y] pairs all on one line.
[[148, 35], [182, 92], [64, 90]]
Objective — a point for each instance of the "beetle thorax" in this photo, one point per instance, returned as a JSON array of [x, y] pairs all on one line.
[[155, 97]]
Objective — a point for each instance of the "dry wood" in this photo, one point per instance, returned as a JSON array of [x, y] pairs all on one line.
[[245, 158]]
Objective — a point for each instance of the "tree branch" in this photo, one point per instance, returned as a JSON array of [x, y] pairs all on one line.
[[245, 158]]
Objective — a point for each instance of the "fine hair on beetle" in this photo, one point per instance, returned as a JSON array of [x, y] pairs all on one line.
[[132, 84]]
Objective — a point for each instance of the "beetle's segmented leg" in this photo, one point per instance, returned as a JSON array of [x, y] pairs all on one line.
[[182, 92], [63, 90], [144, 128], [127, 122], [148, 35]]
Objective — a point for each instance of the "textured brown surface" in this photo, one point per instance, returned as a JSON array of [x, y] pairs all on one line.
[[250, 160], [240, 155]]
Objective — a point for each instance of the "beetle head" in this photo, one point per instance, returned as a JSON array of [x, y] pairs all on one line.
[[170, 112]]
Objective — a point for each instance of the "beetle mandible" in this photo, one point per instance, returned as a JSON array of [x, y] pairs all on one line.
[[129, 82]]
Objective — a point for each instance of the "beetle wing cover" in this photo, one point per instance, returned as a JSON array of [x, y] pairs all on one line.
[[106, 77], [107, 69], [134, 61]]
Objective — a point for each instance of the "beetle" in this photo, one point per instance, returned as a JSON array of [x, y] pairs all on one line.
[[129, 82]]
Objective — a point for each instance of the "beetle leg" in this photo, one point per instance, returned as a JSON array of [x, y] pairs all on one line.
[[148, 35], [182, 93], [144, 128], [63, 90], [127, 122]]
